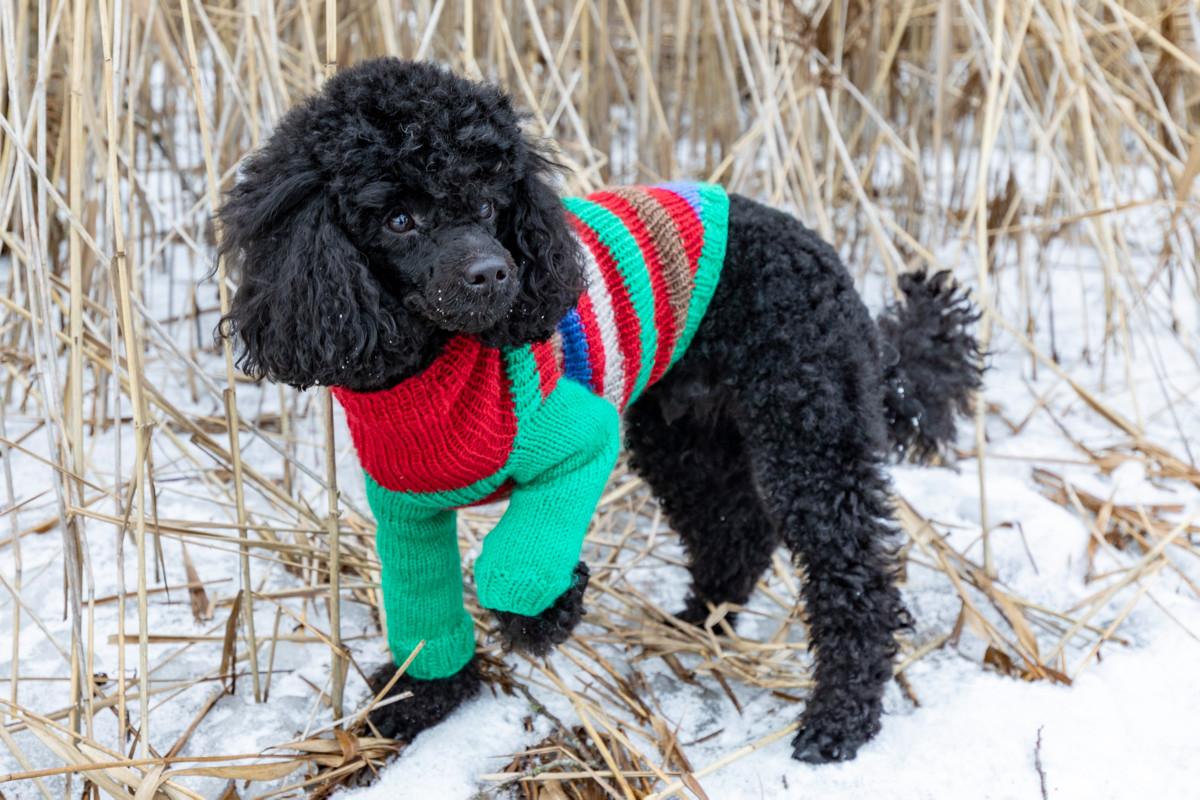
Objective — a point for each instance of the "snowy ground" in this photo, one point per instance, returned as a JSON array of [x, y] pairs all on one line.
[[1124, 729]]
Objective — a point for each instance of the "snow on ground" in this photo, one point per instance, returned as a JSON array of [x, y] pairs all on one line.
[[1122, 730]]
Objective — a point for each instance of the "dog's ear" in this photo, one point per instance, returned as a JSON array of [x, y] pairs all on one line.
[[306, 311], [534, 229]]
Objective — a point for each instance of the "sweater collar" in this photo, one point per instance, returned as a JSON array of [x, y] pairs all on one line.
[[434, 387], [447, 428]]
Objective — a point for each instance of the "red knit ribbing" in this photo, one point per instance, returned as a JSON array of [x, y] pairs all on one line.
[[443, 429], [548, 366]]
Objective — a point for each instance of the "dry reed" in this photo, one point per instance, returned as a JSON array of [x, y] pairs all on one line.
[[888, 125]]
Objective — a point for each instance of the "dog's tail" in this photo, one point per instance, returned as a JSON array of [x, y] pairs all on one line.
[[932, 363]]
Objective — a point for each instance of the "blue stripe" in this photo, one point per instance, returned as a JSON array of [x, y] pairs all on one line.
[[576, 364], [688, 191]]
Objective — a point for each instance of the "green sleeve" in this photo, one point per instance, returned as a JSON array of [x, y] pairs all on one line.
[[422, 583], [562, 458]]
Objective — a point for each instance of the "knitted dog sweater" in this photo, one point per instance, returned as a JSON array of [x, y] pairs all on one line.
[[537, 423]]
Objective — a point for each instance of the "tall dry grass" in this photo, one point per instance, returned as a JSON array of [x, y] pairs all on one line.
[[889, 126]]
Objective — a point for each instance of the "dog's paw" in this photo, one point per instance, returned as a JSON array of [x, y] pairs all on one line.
[[431, 701], [537, 635], [829, 735], [815, 746]]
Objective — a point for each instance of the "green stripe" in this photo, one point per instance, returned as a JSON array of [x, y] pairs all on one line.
[[400, 502], [521, 368], [714, 217], [632, 268]]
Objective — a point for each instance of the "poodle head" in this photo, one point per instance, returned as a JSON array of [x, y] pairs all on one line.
[[400, 206]]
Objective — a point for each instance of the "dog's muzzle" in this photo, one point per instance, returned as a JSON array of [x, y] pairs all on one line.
[[470, 295]]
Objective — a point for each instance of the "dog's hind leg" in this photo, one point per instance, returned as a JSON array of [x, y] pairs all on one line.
[[830, 501], [698, 469], [788, 352], [808, 402]]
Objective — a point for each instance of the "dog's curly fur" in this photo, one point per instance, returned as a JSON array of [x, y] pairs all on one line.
[[772, 429], [930, 363], [538, 635], [432, 701], [329, 298]]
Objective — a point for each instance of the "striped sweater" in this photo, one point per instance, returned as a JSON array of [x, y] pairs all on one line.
[[538, 422]]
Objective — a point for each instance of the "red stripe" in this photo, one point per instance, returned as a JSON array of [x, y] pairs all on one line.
[[442, 429], [547, 365], [595, 344], [687, 222], [664, 316], [629, 327]]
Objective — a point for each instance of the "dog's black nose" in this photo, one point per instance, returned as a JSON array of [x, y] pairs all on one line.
[[486, 273]]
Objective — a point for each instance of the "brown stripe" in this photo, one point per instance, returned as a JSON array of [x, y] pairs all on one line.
[[676, 275]]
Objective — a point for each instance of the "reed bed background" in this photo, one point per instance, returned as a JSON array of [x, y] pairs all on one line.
[[906, 132]]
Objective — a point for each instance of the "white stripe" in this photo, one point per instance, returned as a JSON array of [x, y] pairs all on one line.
[[614, 361]]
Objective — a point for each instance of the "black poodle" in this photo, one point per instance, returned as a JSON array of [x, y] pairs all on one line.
[[359, 232]]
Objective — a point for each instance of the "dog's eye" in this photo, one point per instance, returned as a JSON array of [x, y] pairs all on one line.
[[400, 222], [485, 210]]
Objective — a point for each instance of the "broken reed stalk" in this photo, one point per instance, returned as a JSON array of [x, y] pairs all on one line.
[[338, 678], [334, 530], [212, 186], [889, 126], [73, 411], [983, 252]]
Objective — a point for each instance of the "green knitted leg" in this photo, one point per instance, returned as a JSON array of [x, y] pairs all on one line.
[[561, 462], [422, 585]]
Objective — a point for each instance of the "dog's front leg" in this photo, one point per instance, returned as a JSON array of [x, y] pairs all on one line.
[[423, 603], [529, 571]]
